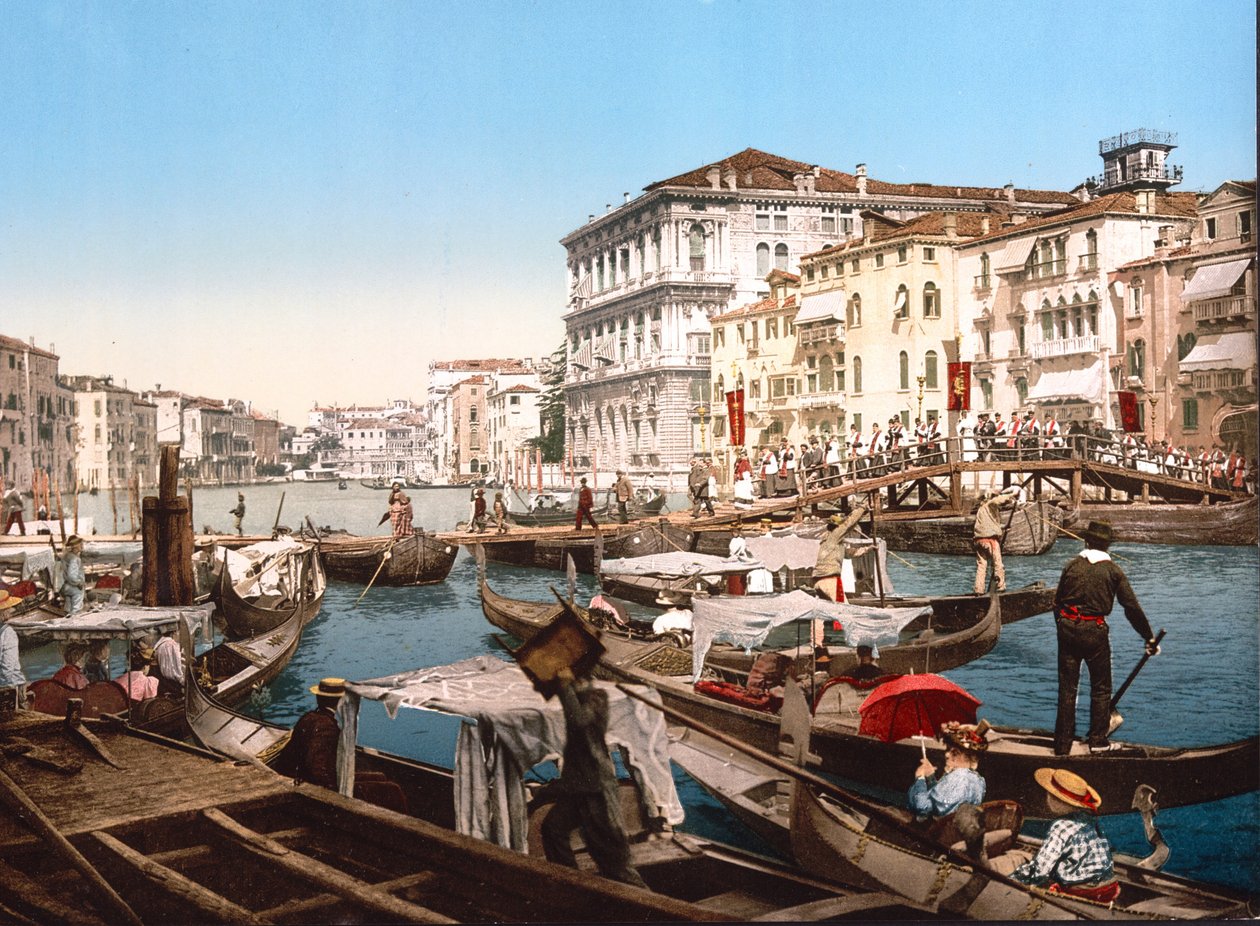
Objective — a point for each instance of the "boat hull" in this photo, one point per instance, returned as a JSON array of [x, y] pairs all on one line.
[[244, 618], [1227, 524], [1033, 529], [420, 559]]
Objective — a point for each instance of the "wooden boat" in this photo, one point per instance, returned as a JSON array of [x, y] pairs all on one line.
[[233, 842], [952, 612], [646, 503], [879, 847], [1034, 527], [1224, 524], [627, 653], [546, 553], [420, 559], [647, 538], [716, 877], [299, 589], [380, 482]]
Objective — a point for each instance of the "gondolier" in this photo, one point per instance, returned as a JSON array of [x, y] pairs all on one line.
[[830, 564], [624, 490], [238, 513], [1088, 589], [987, 536]]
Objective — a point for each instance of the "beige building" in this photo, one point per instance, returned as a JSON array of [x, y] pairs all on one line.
[[116, 434], [512, 420], [470, 450], [36, 416]]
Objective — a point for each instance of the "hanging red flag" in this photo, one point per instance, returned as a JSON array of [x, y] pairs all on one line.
[[960, 386], [735, 413], [1129, 411]]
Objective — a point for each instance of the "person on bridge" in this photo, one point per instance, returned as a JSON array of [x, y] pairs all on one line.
[[1087, 591], [986, 537]]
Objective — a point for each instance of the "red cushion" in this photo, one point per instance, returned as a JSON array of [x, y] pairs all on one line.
[[738, 694]]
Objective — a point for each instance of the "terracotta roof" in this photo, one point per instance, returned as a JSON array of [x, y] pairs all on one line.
[[472, 381], [776, 276], [19, 345], [492, 365], [1168, 205], [759, 170], [768, 304], [518, 388]]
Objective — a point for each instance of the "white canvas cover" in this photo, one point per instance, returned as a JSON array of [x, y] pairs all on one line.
[[1214, 281], [677, 564], [1235, 350], [1014, 255], [509, 728], [790, 550], [118, 621], [1084, 384], [819, 307], [747, 621]]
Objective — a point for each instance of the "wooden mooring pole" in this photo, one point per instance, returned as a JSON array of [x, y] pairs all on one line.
[[167, 539]]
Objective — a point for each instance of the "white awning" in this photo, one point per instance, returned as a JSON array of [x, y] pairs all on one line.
[[1233, 351], [1014, 256], [1214, 280], [820, 307], [1086, 384], [605, 349], [901, 301], [583, 357]]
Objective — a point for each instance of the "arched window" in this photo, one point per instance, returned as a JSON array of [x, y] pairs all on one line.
[[903, 370], [780, 257], [1090, 260], [1021, 390], [1137, 359], [857, 374], [763, 259], [696, 245], [1078, 317], [1061, 319], [826, 376], [929, 370], [931, 301], [719, 389], [855, 311], [984, 271], [1047, 321], [901, 304], [1091, 311]]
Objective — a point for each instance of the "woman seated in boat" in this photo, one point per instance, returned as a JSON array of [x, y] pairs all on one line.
[[932, 798], [138, 683], [1075, 859], [71, 674], [97, 663]]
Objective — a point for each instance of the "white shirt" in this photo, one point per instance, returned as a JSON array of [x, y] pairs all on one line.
[[170, 661], [673, 619]]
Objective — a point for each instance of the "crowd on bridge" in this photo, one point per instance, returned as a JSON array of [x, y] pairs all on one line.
[[825, 461]]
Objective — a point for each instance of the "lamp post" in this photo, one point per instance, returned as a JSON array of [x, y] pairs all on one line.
[[1153, 398], [922, 380], [702, 411]]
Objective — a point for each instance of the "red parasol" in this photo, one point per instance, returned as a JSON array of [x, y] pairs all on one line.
[[915, 705]]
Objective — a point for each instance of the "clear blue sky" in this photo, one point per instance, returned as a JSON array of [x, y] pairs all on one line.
[[290, 202]]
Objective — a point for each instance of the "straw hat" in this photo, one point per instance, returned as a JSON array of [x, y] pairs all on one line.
[[329, 688], [74, 540], [1068, 787], [966, 737], [8, 601]]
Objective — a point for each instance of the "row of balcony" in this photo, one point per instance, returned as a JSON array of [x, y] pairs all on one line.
[[655, 277], [1086, 263], [1226, 309], [1063, 347]]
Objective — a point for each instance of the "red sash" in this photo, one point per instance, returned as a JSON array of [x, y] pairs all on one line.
[[1103, 893]]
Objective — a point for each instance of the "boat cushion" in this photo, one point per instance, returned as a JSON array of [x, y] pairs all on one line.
[[741, 696]]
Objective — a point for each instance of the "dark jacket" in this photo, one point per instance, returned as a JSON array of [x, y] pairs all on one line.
[[311, 753], [1093, 589]]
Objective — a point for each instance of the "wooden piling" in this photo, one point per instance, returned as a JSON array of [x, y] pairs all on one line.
[[167, 538]]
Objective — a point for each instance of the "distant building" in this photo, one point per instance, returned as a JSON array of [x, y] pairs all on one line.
[[36, 416], [645, 278], [448, 439], [512, 420], [116, 434]]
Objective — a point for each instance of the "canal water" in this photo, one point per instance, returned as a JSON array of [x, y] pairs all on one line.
[[1204, 687]]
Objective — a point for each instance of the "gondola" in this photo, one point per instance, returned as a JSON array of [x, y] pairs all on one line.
[[861, 840], [685, 868], [419, 559], [299, 585], [645, 503], [1031, 529]]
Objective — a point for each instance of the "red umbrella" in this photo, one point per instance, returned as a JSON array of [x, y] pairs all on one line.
[[915, 705]]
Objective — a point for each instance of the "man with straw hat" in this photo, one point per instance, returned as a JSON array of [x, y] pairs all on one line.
[[311, 752], [11, 675], [959, 782], [73, 578], [1087, 591], [1075, 859]]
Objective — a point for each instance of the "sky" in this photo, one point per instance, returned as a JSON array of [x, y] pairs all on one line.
[[307, 202]]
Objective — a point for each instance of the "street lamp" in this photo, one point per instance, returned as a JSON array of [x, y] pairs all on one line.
[[702, 411], [922, 381]]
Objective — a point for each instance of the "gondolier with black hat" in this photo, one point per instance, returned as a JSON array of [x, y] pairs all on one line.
[[1087, 591], [311, 752]]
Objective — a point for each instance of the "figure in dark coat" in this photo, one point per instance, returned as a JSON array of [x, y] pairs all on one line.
[[311, 752]]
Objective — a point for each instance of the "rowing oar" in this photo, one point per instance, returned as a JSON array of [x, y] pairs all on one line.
[[1116, 719], [384, 557], [1063, 530], [279, 508], [20, 803]]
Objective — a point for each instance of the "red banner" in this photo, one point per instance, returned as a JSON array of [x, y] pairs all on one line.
[[735, 415], [960, 386], [1129, 411]]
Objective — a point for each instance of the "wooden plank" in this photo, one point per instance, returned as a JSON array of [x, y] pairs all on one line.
[[213, 905], [836, 907], [30, 898], [316, 872], [424, 880]]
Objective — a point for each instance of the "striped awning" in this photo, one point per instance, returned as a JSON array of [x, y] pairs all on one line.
[[1083, 384], [1235, 350], [582, 358], [1014, 255], [605, 350], [1214, 280], [820, 307]]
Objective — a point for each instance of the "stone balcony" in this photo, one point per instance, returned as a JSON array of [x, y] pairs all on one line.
[[654, 278], [810, 401], [1230, 308], [1063, 347]]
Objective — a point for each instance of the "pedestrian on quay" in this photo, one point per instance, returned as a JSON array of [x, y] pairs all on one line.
[[769, 473], [698, 485], [986, 537], [624, 490], [586, 506], [239, 514], [13, 507], [1088, 589], [1075, 858], [832, 460], [73, 579], [500, 514], [742, 486], [310, 754]]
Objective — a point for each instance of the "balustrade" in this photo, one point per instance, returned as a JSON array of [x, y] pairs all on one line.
[[1062, 347], [1228, 307]]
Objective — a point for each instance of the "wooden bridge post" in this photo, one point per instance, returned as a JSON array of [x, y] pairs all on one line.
[[1076, 485], [167, 539], [955, 489], [1146, 492]]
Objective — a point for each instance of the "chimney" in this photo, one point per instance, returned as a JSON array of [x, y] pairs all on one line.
[[714, 176], [1144, 200], [816, 171], [951, 225], [861, 179], [1009, 190], [608, 207], [625, 197], [590, 217], [729, 178], [984, 225]]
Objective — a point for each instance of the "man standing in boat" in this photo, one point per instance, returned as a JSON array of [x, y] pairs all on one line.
[[986, 537], [586, 506], [238, 513], [1088, 589]]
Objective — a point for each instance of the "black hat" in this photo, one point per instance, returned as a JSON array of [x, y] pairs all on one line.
[[1097, 534]]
